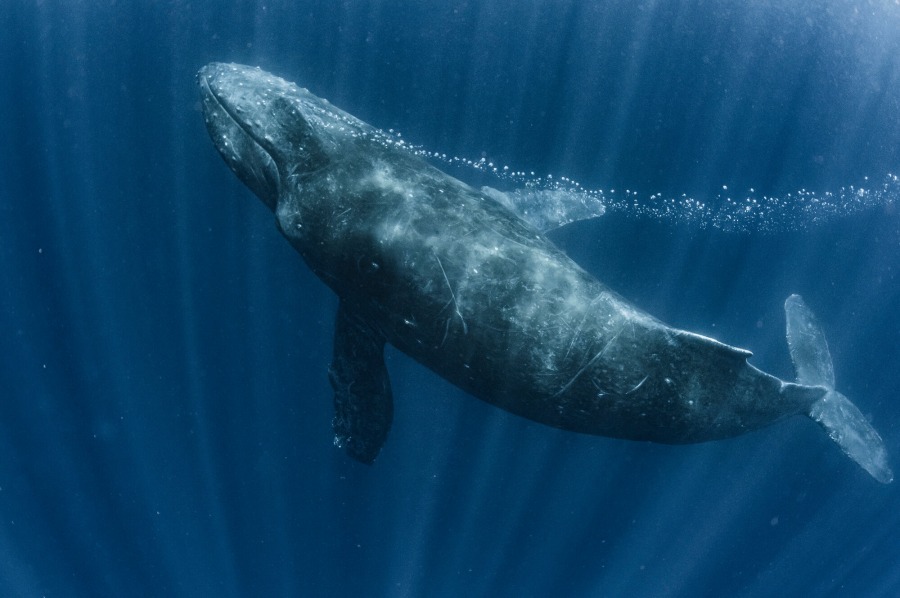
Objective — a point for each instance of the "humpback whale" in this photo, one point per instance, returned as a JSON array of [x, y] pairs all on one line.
[[462, 282]]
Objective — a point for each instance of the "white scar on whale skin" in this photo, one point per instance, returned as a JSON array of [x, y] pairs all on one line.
[[464, 281]]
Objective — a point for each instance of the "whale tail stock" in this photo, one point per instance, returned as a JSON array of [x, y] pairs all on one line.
[[834, 412]]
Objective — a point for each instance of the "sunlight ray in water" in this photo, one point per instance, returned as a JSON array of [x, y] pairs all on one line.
[[166, 411]]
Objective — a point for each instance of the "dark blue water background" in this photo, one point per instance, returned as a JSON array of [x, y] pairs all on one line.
[[164, 407]]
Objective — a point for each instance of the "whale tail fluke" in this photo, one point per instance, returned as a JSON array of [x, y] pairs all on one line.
[[834, 412]]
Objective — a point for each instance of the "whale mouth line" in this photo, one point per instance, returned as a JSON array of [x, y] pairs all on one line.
[[230, 111], [239, 142]]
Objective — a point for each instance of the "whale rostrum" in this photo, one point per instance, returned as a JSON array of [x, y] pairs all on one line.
[[468, 285]]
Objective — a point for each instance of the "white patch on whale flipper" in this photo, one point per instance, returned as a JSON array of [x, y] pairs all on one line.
[[548, 209]]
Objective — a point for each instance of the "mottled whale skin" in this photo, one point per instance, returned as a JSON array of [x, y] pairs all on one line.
[[466, 286]]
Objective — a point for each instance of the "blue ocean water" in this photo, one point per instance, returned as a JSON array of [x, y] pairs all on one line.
[[165, 414]]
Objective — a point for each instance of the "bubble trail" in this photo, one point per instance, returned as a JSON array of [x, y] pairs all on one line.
[[727, 211]]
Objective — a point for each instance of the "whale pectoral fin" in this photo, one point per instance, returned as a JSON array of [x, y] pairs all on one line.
[[840, 418], [548, 209], [363, 405]]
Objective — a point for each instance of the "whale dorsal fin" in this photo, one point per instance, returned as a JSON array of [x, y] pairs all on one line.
[[548, 209], [705, 343]]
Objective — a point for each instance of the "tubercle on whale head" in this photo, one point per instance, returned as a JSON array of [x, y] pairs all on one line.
[[269, 131]]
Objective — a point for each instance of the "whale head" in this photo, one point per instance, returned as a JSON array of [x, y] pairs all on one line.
[[272, 133]]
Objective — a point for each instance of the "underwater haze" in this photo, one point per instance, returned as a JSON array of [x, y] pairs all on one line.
[[165, 410]]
